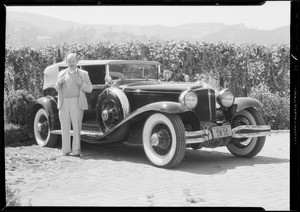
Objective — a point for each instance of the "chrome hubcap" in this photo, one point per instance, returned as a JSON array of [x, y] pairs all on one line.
[[39, 127], [42, 127], [104, 115], [154, 139], [161, 139]]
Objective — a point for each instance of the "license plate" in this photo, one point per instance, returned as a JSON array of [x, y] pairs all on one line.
[[222, 131]]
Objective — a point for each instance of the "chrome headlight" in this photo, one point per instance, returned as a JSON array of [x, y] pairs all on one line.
[[188, 99], [225, 98]]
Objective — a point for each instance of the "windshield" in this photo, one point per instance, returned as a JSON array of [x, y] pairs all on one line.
[[133, 71]]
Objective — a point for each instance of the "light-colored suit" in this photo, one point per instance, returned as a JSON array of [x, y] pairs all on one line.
[[85, 88], [71, 111]]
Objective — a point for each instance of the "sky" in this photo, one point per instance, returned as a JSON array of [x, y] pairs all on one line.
[[271, 15]]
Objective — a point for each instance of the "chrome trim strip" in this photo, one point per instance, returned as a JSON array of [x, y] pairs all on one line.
[[106, 70], [151, 92], [209, 103], [159, 71]]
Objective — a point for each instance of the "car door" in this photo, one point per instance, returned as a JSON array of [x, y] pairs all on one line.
[[97, 77]]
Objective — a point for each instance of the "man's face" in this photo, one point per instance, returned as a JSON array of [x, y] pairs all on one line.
[[72, 63]]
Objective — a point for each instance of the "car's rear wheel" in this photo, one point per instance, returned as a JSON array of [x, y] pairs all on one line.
[[164, 140], [247, 147], [41, 129]]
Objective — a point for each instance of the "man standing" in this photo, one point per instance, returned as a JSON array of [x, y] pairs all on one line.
[[72, 84]]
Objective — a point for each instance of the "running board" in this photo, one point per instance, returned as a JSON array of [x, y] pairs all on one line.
[[90, 133]]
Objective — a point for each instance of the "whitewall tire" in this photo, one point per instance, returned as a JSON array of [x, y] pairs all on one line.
[[41, 128], [164, 140], [247, 147]]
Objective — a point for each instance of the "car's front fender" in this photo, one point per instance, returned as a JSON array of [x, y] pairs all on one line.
[[246, 102], [165, 107], [241, 103], [137, 115]]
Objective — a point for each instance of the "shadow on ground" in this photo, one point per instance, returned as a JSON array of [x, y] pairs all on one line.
[[196, 162]]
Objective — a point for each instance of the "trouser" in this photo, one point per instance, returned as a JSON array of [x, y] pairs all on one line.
[[70, 112]]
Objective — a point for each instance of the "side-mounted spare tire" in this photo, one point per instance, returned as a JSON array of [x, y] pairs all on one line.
[[112, 107]]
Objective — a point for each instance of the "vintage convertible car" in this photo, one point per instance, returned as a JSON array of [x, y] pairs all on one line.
[[130, 103]]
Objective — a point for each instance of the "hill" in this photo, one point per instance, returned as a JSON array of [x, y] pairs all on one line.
[[28, 29]]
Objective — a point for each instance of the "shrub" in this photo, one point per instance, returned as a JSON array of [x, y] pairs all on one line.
[[17, 107], [275, 108], [15, 133], [12, 199], [241, 66]]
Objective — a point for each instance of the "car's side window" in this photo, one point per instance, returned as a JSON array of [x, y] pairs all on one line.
[[96, 73]]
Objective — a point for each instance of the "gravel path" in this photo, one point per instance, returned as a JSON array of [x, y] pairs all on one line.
[[120, 175]]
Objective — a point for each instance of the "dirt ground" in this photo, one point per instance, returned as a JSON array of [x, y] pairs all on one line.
[[120, 175]]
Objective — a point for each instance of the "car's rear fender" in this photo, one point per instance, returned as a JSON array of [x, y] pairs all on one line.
[[50, 105]]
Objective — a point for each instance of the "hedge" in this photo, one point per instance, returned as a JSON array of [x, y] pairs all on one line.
[[15, 133], [276, 108], [17, 106], [240, 67]]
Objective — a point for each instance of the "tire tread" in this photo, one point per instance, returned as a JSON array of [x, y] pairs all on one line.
[[180, 137]]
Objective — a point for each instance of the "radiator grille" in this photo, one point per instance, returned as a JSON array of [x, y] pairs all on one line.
[[206, 108]]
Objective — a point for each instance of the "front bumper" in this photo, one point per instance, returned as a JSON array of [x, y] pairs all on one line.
[[244, 131]]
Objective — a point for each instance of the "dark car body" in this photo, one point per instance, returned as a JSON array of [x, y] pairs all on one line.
[[126, 94]]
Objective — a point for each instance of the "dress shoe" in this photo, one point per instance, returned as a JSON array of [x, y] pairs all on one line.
[[76, 155]]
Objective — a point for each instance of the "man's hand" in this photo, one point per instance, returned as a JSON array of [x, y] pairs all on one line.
[[79, 81], [61, 80]]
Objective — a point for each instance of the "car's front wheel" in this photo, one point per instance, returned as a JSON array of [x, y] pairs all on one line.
[[164, 140], [41, 128], [247, 147]]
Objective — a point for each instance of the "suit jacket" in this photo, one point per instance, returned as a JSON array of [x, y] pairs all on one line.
[[86, 87]]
